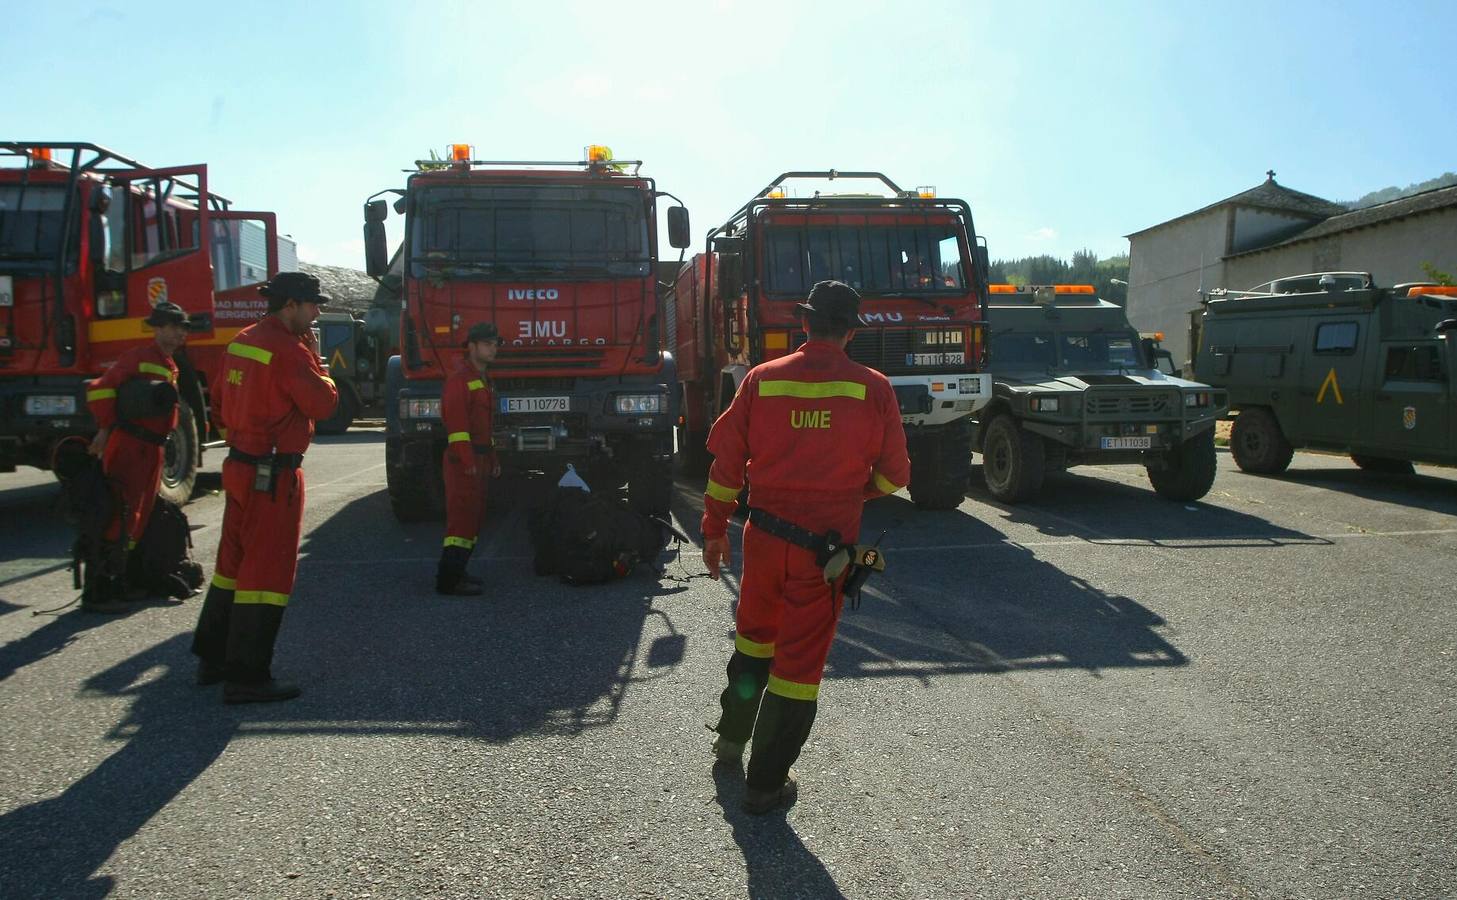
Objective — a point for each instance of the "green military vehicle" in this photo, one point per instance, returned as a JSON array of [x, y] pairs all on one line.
[[1074, 384], [1331, 361], [356, 357]]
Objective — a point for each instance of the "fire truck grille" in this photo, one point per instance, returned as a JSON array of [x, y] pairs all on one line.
[[528, 360], [885, 349], [1131, 404]]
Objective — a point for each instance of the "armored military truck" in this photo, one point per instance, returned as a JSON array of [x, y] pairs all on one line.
[[1331, 361], [1074, 384]]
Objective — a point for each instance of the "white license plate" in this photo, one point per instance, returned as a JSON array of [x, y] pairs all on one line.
[[1125, 443], [50, 406], [7, 290], [935, 359], [535, 404]]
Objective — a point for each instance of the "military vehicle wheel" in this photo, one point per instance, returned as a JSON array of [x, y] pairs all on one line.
[[940, 469], [411, 499], [1013, 460], [1188, 471], [650, 489], [1382, 465], [179, 459], [1257, 443], [344, 412]]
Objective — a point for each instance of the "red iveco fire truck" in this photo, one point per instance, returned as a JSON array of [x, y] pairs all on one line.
[[561, 256], [921, 274], [89, 241]]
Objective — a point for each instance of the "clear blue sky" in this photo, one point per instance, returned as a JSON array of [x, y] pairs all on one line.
[[1066, 125]]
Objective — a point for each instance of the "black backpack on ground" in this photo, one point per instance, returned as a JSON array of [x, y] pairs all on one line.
[[162, 562], [585, 538], [88, 501]]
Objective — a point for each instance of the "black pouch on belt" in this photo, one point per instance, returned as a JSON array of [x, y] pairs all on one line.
[[265, 477]]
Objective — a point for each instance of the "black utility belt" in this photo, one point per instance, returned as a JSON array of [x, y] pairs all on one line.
[[143, 434], [832, 555], [276, 460]]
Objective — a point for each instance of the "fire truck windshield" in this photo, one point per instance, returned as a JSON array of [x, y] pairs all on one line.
[[30, 221], [505, 232], [873, 259]]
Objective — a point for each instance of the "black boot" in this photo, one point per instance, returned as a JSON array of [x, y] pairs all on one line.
[[252, 631], [102, 593], [210, 640], [747, 676], [450, 576], [779, 734]]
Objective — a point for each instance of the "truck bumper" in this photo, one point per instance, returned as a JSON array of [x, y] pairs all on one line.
[[30, 427], [929, 401]]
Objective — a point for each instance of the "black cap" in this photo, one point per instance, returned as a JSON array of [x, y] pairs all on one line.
[[166, 313], [833, 303], [300, 286], [484, 331]]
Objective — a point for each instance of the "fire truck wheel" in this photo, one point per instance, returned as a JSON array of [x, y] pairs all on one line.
[[692, 456], [1188, 471], [1257, 443], [650, 489], [1012, 460], [411, 490], [179, 460], [344, 412], [1383, 465]]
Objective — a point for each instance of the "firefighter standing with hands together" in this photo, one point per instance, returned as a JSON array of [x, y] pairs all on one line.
[[817, 435], [268, 392], [133, 430], [466, 408]]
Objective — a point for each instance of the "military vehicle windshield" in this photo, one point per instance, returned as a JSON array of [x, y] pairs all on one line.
[[30, 221], [1023, 350], [876, 259], [509, 232], [1099, 350]]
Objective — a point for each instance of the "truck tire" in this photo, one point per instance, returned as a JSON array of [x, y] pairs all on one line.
[[940, 469], [1013, 460], [180, 459], [411, 496], [692, 456], [1257, 443], [1188, 471], [650, 489], [344, 412], [1382, 465]]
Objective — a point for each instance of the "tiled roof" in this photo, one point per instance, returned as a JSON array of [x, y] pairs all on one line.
[[1426, 201], [1269, 195]]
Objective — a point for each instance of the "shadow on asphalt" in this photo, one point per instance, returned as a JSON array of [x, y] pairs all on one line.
[[777, 861], [1419, 491]]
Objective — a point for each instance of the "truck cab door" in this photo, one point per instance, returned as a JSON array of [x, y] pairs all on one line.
[[1412, 406], [164, 258], [244, 252], [1330, 393]]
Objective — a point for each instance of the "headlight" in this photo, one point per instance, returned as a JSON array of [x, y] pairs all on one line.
[[638, 404], [969, 386], [50, 406], [419, 407], [1196, 399], [1044, 404]]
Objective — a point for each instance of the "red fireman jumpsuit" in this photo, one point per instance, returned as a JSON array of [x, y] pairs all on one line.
[[816, 434], [466, 408], [266, 395], [130, 460]]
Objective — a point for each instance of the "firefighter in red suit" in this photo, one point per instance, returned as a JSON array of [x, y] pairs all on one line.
[[470, 461], [817, 435], [130, 442], [269, 389]]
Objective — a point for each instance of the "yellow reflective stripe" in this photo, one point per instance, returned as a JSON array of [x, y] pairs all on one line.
[[100, 394], [154, 369], [223, 582], [467, 543], [260, 598], [792, 689], [131, 545], [475, 384], [248, 351], [721, 493], [753, 648], [812, 390], [885, 485], [456, 437]]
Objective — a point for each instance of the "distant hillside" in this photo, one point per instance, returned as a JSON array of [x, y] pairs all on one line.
[[1386, 195]]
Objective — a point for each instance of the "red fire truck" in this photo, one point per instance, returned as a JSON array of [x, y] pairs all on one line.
[[561, 256], [921, 274], [89, 241]]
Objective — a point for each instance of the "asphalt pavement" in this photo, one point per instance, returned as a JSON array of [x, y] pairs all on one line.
[[1096, 694]]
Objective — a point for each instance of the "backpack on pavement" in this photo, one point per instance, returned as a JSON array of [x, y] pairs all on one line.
[[162, 562]]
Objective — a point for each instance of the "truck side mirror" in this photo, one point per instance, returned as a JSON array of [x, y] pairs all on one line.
[[376, 211], [376, 251], [730, 276], [983, 260], [679, 234]]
